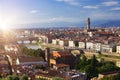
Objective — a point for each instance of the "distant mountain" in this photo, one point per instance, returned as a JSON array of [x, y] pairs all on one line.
[[112, 23], [105, 23], [100, 23]]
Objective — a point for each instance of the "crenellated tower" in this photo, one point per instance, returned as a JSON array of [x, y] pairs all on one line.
[[88, 24]]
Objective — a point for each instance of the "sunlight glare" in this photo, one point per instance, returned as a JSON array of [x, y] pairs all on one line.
[[4, 25]]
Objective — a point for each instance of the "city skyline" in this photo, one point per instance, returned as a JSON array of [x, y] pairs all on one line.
[[50, 11]]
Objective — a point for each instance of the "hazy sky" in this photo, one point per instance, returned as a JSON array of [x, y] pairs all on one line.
[[44, 11]]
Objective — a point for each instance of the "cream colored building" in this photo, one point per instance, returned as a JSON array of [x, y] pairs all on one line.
[[26, 41], [71, 44], [118, 63], [61, 42], [89, 46], [82, 45], [118, 49], [11, 47], [98, 46], [106, 48], [54, 41], [34, 41]]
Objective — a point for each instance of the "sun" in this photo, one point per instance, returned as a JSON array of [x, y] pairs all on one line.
[[4, 25]]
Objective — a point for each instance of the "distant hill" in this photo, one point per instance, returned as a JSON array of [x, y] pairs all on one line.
[[112, 23], [102, 23]]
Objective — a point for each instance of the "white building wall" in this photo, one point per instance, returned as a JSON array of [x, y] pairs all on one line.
[[82, 45], [61, 43], [106, 48], [43, 38], [118, 49], [89, 45], [26, 42], [118, 63], [10, 48], [17, 62], [19, 42], [34, 41], [71, 44], [98, 46], [54, 41]]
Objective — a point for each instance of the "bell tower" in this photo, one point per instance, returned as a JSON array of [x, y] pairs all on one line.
[[88, 24]]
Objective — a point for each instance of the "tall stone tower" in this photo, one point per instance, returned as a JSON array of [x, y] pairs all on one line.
[[47, 55], [88, 24]]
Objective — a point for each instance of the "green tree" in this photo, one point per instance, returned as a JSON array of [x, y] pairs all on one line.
[[42, 79], [57, 78], [112, 78], [107, 67], [24, 49], [82, 63], [32, 52], [76, 43], [38, 53], [9, 77], [15, 77], [105, 78], [24, 77], [94, 61], [91, 71]]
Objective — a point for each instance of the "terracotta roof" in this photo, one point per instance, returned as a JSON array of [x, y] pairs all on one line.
[[61, 54], [61, 65], [110, 72], [3, 62], [50, 73], [30, 59], [104, 33]]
